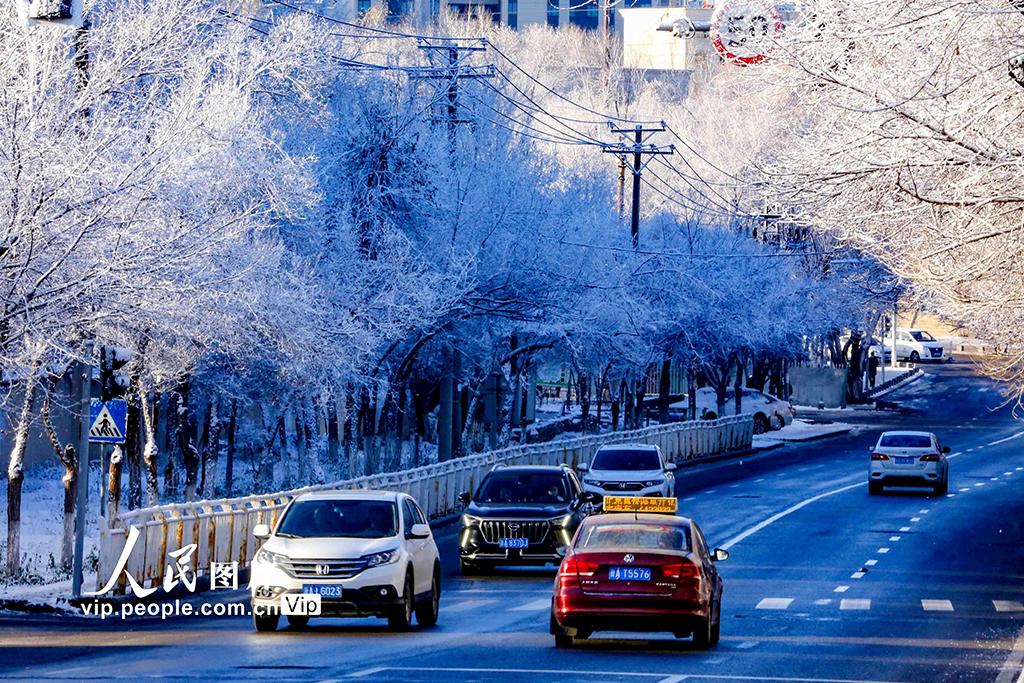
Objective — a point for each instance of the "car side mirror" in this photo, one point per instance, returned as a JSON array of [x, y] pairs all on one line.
[[721, 555], [464, 497], [588, 497], [419, 531], [261, 531], [945, 449], [671, 467], [583, 467], [871, 449]]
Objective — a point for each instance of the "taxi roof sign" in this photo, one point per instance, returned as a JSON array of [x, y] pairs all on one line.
[[667, 506]]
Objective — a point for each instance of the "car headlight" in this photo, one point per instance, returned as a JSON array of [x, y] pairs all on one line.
[[592, 482], [655, 482], [382, 558], [563, 521], [270, 558], [470, 520]]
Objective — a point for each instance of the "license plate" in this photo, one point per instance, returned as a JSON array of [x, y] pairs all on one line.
[[513, 543], [904, 461], [629, 573], [324, 591]]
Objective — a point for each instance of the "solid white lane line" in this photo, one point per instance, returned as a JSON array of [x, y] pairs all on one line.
[[468, 605], [575, 673], [774, 603], [883, 550], [841, 589], [534, 606], [776, 517], [1009, 438], [673, 679], [871, 563], [1008, 606], [937, 605], [857, 575], [894, 538], [904, 528], [847, 603], [366, 672], [915, 519]]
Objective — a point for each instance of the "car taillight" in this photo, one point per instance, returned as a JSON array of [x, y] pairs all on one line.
[[679, 571], [879, 456], [931, 457], [572, 566]]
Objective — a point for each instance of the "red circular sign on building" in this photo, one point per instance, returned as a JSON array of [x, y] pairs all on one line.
[[745, 31]]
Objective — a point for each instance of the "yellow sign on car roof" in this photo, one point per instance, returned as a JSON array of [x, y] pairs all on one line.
[[666, 506]]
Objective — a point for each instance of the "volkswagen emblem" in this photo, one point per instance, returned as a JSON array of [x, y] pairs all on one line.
[[323, 569], [628, 559], [513, 526]]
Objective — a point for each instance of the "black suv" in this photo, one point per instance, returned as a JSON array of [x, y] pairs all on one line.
[[521, 515]]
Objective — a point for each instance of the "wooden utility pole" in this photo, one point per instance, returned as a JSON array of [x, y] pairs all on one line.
[[638, 146]]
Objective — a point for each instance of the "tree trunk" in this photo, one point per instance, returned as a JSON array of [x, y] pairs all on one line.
[[333, 418], [291, 450], [66, 455], [16, 474], [638, 410], [584, 400], [229, 477], [664, 389], [133, 446], [691, 387], [738, 385], [185, 428], [616, 397], [174, 460], [114, 485], [211, 451], [150, 452]]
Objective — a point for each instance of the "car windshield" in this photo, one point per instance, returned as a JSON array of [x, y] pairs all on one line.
[[922, 336], [340, 519], [905, 441], [523, 487], [626, 459], [661, 537]]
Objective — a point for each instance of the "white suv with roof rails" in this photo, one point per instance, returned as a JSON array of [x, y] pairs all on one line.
[[628, 470], [918, 345], [908, 459], [365, 553]]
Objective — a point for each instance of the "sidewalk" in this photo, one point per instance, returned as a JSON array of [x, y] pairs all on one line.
[[799, 431]]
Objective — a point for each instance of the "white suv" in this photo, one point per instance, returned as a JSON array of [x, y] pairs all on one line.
[[365, 553], [918, 345], [629, 470]]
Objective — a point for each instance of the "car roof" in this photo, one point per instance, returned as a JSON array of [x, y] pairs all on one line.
[[628, 447], [528, 468], [641, 517], [349, 494], [901, 433]]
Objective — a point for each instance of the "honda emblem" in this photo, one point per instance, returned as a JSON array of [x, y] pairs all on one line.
[[323, 569]]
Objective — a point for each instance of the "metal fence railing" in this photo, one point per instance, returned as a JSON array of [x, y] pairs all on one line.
[[222, 529]]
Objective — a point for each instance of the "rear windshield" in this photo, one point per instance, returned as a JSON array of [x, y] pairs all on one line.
[[905, 441], [922, 336], [339, 519], [626, 459], [613, 536], [523, 487]]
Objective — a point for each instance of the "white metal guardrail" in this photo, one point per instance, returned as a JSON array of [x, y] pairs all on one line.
[[221, 529]]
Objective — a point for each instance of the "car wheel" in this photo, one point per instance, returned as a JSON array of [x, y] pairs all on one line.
[[716, 628], [941, 489], [562, 639], [702, 633], [265, 623], [761, 424], [298, 622], [583, 635], [468, 568], [426, 612], [874, 488], [401, 619], [915, 357]]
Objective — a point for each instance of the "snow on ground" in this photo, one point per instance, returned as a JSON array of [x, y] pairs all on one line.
[[42, 524], [800, 430]]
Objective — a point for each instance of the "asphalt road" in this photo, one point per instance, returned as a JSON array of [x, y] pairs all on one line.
[[825, 583]]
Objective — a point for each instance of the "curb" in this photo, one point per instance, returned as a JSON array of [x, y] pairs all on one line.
[[893, 384], [815, 437]]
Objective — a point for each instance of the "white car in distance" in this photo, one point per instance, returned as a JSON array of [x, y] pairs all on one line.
[[918, 345], [365, 553], [628, 470], [768, 411], [908, 459]]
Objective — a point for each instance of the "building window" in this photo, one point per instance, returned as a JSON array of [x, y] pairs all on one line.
[[553, 13], [586, 17], [513, 14], [363, 7]]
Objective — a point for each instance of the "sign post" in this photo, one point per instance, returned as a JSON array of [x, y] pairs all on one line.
[[83, 475]]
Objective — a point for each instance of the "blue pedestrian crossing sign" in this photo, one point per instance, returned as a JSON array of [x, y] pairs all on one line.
[[107, 421]]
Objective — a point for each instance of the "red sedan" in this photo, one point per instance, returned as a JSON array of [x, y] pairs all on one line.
[[637, 571]]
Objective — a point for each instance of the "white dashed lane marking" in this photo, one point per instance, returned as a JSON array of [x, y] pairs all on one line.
[[964, 489], [534, 606], [883, 550], [468, 605], [841, 589], [774, 603], [1008, 606], [847, 603], [980, 483], [894, 538], [937, 605], [857, 575], [904, 528], [871, 563], [915, 519], [922, 512]]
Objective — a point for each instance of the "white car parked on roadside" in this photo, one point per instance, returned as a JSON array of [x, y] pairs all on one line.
[[629, 470], [768, 411], [365, 553], [918, 345]]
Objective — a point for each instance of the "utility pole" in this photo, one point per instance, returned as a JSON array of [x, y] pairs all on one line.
[[638, 146], [85, 376]]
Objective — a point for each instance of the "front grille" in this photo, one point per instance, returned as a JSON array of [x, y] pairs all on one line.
[[336, 569], [622, 486], [534, 531], [936, 352]]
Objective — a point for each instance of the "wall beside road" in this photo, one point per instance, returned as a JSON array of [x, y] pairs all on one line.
[[815, 386], [222, 529]]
